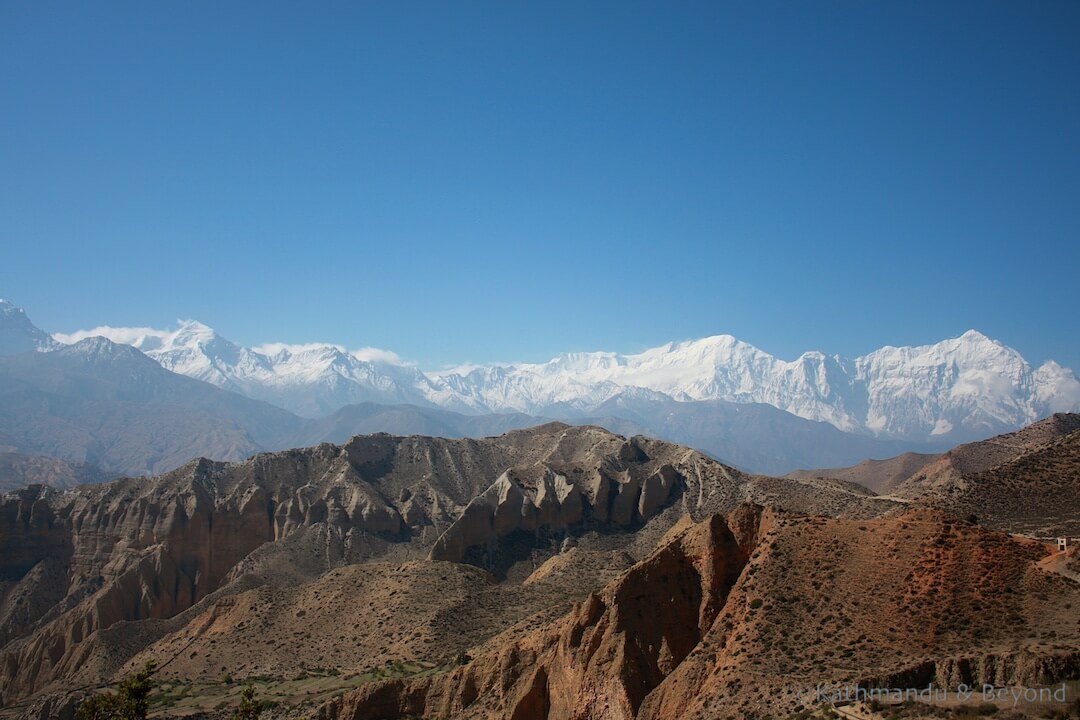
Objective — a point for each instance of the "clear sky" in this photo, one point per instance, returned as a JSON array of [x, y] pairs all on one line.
[[462, 181]]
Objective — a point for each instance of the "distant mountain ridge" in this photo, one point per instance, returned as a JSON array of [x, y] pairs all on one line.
[[959, 389], [110, 406], [137, 423], [18, 470], [310, 380]]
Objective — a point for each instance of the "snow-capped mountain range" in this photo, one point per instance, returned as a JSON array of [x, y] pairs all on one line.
[[970, 386], [311, 380], [959, 389]]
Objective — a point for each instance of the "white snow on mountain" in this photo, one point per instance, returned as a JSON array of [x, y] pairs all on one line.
[[313, 379], [970, 386], [958, 389], [18, 334], [1056, 388]]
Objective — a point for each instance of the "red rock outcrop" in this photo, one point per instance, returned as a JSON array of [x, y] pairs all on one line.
[[603, 659], [747, 614]]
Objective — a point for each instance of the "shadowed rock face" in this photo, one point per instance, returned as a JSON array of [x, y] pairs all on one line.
[[128, 552], [604, 658], [33, 532], [141, 550], [621, 499], [735, 615]]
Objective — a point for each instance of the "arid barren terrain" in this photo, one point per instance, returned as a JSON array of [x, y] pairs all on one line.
[[554, 572], [601, 360]]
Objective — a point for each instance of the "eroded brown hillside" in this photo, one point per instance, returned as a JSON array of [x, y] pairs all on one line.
[[99, 578], [736, 616]]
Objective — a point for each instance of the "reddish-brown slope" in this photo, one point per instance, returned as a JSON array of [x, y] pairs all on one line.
[[603, 659], [916, 475], [899, 602], [1035, 491], [953, 469], [698, 630]]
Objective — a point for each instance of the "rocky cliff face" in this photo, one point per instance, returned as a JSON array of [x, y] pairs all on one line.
[[603, 659], [623, 493], [750, 613], [125, 552], [78, 562]]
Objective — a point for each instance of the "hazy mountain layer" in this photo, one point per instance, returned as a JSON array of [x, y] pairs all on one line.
[[107, 405], [881, 476], [311, 380], [753, 436], [18, 470], [583, 388], [18, 334], [365, 418], [110, 406]]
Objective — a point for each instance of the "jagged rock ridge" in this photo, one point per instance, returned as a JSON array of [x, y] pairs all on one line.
[[144, 550]]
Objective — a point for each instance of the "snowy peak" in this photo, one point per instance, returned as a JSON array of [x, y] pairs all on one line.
[[965, 387], [192, 349], [582, 362], [1056, 388], [18, 334], [95, 346], [97, 350], [974, 336]]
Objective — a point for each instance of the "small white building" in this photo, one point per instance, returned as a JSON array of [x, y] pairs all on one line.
[[1063, 544]]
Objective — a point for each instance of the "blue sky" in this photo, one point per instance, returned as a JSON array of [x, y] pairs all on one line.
[[506, 181]]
